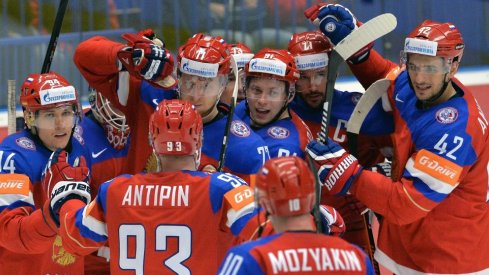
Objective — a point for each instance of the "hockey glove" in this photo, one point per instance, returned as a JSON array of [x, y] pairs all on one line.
[[337, 170], [336, 22], [62, 182], [145, 59], [383, 168], [332, 221]]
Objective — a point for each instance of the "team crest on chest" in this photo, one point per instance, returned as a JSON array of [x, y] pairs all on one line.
[[447, 115], [240, 129], [26, 143], [278, 132]]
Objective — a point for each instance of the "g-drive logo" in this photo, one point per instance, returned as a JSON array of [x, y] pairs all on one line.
[[198, 68], [425, 47], [56, 95], [268, 66]]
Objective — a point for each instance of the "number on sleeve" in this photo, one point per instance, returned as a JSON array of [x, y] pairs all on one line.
[[8, 165], [441, 146], [231, 265], [265, 154]]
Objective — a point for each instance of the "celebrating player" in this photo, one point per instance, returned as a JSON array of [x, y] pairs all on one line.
[[203, 68], [119, 73], [242, 55], [285, 190], [439, 177], [28, 240], [179, 220], [270, 87]]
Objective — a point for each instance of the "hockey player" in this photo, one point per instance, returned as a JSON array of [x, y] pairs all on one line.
[[119, 73], [285, 190], [28, 241], [269, 88], [203, 68], [242, 55], [439, 177], [179, 220], [311, 50], [108, 135]]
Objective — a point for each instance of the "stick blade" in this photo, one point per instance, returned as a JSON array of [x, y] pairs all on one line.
[[366, 33], [365, 104]]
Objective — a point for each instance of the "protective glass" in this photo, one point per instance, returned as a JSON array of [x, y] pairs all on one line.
[[255, 92], [311, 77], [63, 116], [428, 69], [191, 85]]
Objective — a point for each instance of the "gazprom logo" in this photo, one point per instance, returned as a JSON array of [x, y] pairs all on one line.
[[425, 47], [242, 59], [57, 95], [311, 61], [198, 68], [268, 66]]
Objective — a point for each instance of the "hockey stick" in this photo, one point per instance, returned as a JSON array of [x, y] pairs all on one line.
[[11, 105], [53, 41], [364, 105], [356, 40], [222, 155]]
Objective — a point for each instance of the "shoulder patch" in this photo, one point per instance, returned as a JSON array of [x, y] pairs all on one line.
[[240, 129], [239, 197], [26, 143], [14, 184], [278, 132], [447, 115], [438, 167]]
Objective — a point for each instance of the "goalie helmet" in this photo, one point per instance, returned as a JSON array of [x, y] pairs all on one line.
[[310, 50], [46, 91], [435, 39], [175, 128], [285, 187], [112, 120], [204, 56]]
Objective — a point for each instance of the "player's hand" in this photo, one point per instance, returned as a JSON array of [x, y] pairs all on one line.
[[62, 182], [332, 221], [337, 169], [145, 59], [383, 168], [336, 22]]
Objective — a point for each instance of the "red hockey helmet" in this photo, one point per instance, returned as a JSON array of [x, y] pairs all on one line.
[[310, 50], [175, 128], [204, 56], [285, 186], [435, 39], [46, 91], [277, 64], [241, 53]]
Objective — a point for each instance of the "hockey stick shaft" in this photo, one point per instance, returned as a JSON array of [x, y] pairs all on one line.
[[53, 41], [352, 43], [229, 122], [12, 112]]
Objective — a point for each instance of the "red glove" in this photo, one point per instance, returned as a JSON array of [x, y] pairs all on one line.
[[332, 221], [147, 60], [337, 170], [62, 182]]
